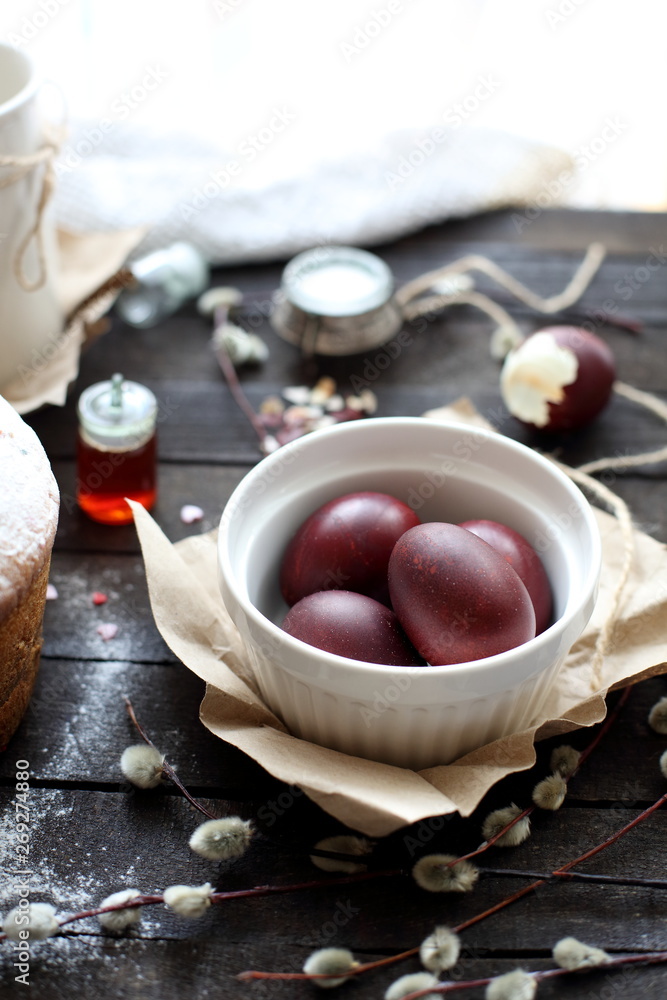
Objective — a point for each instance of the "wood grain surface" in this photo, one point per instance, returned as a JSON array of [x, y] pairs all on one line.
[[93, 834]]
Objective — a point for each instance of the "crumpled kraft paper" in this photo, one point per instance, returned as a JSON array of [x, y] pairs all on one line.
[[374, 798], [89, 279]]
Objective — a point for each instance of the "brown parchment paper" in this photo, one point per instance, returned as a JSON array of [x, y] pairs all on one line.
[[86, 288], [374, 798]]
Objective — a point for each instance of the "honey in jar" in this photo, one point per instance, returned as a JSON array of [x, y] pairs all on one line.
[[116, 449]]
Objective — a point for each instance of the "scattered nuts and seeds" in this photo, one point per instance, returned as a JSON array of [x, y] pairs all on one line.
[[302, 410]]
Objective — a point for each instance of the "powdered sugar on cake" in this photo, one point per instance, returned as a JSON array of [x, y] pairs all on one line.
[[28, 508]]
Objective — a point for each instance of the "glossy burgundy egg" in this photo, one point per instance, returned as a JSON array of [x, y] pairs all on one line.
[[559, 378], [353, 625], [455, 596], [524, 560], [345, 545]]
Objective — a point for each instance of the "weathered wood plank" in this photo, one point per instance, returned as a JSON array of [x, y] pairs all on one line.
[[444, 356], [71, 622], [554, 229], [77, 727], [88, 843], [206, 969], [102, 831], [208, 486], [277, 932], [217, 432]]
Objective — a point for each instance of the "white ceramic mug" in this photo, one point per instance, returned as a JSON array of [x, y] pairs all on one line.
[[30, 321]]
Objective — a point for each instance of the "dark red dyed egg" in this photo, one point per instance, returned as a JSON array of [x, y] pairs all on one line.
[[559, 378], [524, 560], [345, 545], [455, 596], [352, 625]]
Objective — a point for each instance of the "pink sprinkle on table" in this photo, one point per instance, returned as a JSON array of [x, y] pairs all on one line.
[[191, 513], [107, 631], [99, 598]]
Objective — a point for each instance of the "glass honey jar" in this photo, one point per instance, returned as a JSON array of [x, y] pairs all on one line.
[[116, 449]]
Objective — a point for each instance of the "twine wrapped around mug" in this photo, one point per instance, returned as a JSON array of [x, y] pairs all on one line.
[[45, 156]]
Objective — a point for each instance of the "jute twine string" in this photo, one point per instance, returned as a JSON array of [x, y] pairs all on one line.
[[461, 291], [24, 165], [650, 402], [622, 513], [583, 476]]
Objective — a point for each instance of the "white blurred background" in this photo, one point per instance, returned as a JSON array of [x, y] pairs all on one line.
[[585, 76]]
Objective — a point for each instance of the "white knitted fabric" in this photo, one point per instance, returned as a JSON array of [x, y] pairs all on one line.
[[289, 199]]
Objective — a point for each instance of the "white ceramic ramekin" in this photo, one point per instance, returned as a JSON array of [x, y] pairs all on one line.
[[413, 717]]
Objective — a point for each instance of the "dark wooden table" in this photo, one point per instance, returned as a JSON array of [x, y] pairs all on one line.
[[93, 834]]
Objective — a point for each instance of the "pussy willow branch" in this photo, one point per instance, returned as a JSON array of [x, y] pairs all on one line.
[[267, 890], [585, 754], [648, 958], [167, 769], [612, 716], [233, 384], [558, 873], [264, 890], [221, 897], [565, 868], [390, 959], [172, 774], [646, 883]]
